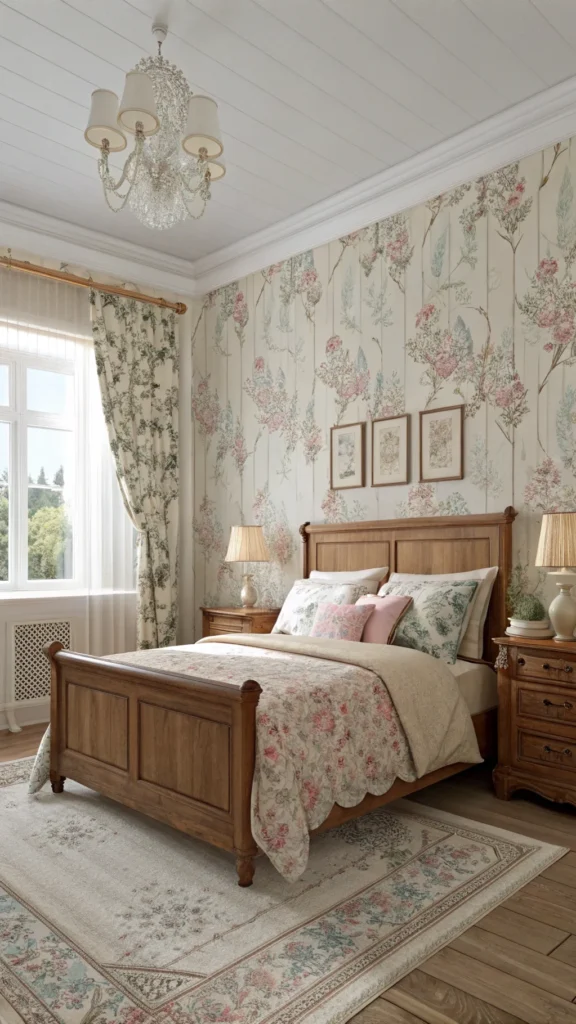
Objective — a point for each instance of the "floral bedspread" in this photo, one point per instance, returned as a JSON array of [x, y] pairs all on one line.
[[327, 733], [335, 720]]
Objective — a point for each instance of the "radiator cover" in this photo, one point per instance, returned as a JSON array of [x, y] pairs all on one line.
[[30, 668]]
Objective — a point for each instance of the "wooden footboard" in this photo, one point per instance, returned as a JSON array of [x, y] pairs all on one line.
[[178, 748], [175, 747]]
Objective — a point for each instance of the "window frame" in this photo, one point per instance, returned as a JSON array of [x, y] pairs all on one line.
[[19, 419]]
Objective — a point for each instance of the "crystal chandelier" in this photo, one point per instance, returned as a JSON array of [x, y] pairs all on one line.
[[177, 145]]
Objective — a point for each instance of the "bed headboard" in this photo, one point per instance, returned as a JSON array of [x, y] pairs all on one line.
[[436, 544]]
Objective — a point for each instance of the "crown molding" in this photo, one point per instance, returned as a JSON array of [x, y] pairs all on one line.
[[514, 133], [508, 136], [52, 238]]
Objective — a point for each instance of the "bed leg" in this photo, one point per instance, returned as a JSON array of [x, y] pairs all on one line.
[[58, 783], [245, 867]]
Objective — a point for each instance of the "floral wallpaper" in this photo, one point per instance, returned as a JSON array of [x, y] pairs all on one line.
[[469, 298]]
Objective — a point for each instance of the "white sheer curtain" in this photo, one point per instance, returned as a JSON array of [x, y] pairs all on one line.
[[46, 324], [110, 538]]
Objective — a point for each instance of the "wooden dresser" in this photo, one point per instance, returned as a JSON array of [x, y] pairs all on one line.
[[216, 621], [536, 718]]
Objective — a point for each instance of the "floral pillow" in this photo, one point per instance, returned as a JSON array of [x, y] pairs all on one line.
[[385, 617], [341, 621], [297, 613], [435, 622]]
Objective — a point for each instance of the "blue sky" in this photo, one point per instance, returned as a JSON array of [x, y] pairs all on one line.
[[50, 449], [49, 393]]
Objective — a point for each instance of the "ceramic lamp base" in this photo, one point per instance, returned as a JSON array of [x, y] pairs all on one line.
[[248, 594], [562, 614]]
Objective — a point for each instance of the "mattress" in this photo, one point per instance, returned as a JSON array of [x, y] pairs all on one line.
[[477, 684]]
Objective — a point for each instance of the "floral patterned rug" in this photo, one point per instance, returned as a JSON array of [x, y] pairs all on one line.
[[107, 916]]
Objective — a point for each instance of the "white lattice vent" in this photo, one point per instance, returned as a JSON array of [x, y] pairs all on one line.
[[31, 667]]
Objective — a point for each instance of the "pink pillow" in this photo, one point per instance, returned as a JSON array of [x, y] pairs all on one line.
[[387, 612], [340, 621]]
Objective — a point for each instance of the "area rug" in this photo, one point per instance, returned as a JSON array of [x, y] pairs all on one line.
[[106, 916]]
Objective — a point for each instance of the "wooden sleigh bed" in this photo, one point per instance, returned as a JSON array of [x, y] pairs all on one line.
[[182, 749]]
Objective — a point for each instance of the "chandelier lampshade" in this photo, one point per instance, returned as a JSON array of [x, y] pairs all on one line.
[[202, 130], [177, 150], [217, 168], [103, 121], [138, 104]]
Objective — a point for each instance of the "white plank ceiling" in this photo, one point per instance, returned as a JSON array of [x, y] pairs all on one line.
[[314, 95]]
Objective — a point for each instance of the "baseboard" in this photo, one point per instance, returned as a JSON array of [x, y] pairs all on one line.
[[26, 714]]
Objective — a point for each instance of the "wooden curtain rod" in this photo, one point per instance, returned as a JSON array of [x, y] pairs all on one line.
[[82, 282]]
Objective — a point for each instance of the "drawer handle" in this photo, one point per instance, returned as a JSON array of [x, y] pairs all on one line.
[[521, 661], [550, 704], [545, 665], [568, 668], [554, 750]]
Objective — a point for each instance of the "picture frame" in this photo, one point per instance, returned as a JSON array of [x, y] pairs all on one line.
[[442, 444], [391, 450], [347, 456]]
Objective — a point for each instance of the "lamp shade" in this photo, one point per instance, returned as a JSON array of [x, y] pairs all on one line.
[[138, 104], [247, 544], [217, 168], [557, 544], [202, 128], [103, 121]]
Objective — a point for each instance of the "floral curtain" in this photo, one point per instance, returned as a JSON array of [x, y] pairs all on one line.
[[136, 348]]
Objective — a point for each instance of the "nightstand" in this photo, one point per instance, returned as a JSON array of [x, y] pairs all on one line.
[[238, 620], [536, 718]]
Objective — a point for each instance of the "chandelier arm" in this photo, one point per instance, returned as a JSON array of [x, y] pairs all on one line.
[[133, 159], [203, 186], [202, 191], [109, 189], [123, 200], [196, 216]]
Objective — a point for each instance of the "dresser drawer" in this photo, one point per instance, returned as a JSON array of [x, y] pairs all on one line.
[[546, 703], [545, 750], [216, 621], [219, 625], [535, 666]]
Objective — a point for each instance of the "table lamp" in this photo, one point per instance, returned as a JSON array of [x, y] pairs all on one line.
[[557, 549], [247, 544]]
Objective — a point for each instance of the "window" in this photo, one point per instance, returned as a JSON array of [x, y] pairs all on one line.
[[62, 521], [40, 462], [63, 524]]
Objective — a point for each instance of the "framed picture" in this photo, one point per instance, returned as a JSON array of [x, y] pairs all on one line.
[[347, 456], [390, 451], [442, 444]]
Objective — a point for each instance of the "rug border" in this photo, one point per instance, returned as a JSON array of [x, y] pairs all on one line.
[[412, 953], [419, 948]]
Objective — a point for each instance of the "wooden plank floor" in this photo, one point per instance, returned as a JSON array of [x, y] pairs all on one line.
[[518, 964], [21, 744]]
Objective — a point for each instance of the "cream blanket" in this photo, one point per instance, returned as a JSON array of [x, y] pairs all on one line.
[[425, 694]]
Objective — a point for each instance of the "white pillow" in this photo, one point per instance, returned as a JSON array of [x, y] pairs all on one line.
[[371, 578], [299, 609], [472, 642]]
